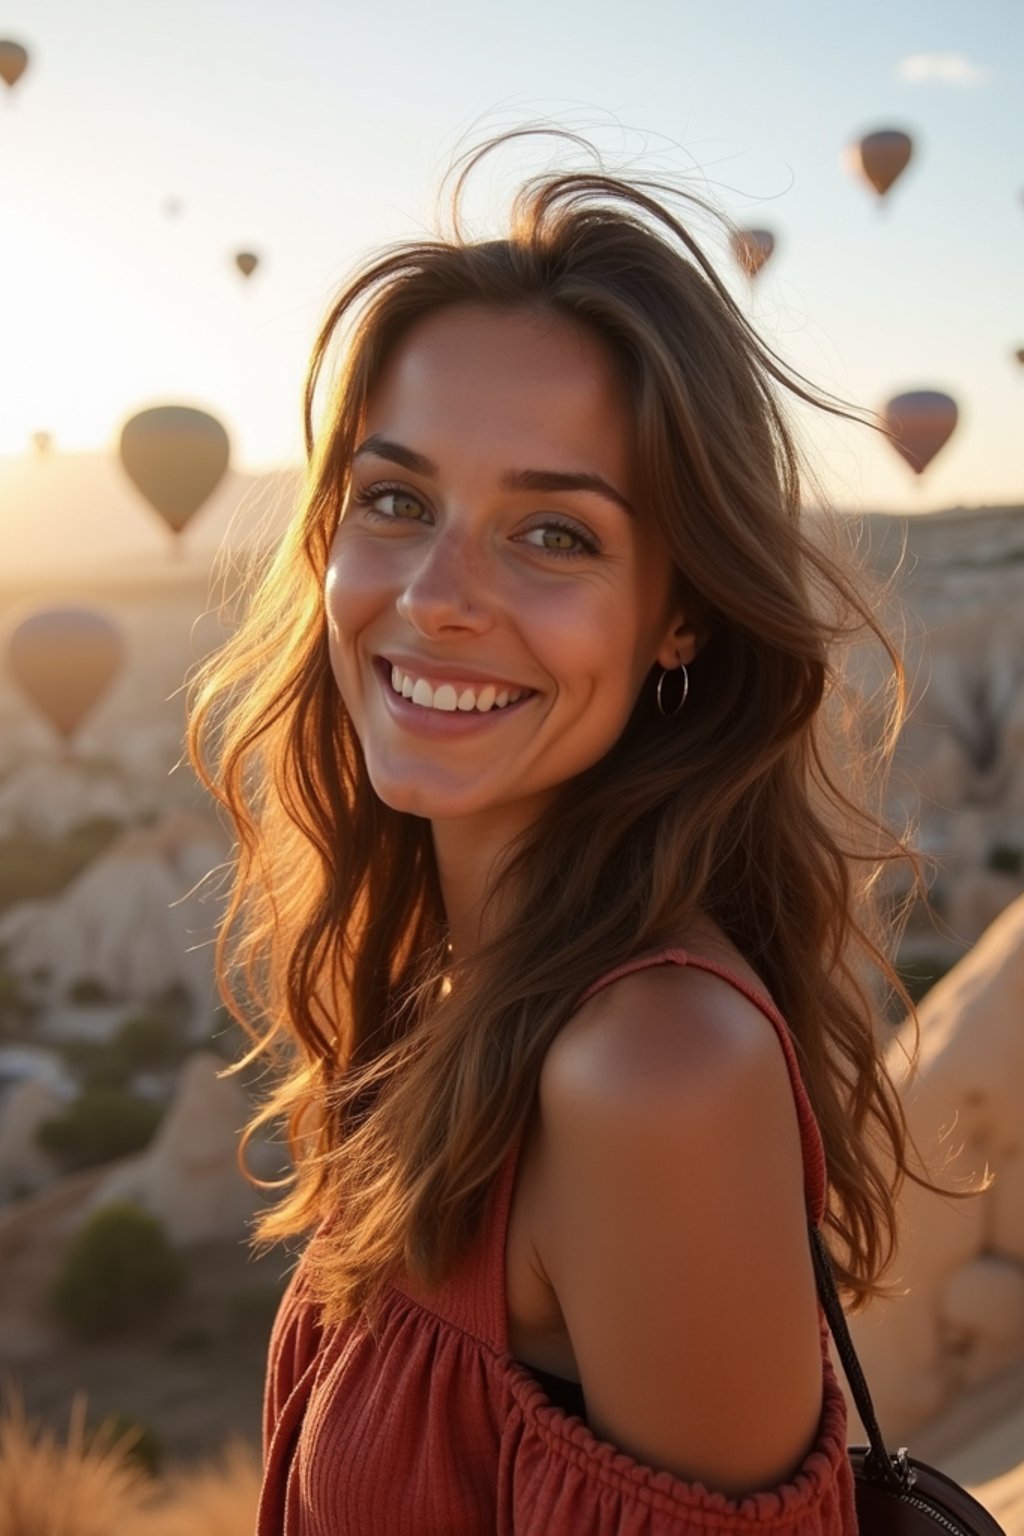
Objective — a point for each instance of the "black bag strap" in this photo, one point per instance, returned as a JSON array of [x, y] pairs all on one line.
[[889, 1471]]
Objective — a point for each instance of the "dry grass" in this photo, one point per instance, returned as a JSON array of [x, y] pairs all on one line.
[[91, 1486], [215, 1500]]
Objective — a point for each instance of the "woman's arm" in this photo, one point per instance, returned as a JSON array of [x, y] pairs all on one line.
[[673, 1229]]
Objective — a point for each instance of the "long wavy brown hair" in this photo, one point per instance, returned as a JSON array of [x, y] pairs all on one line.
[[403, 1077]]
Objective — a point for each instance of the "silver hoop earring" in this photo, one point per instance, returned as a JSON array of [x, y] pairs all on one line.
[[668, 713]]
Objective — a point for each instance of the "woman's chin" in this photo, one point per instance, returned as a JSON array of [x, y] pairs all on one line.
[[429, 802]]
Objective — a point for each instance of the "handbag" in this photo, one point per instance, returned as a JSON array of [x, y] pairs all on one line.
[[896, 1495]]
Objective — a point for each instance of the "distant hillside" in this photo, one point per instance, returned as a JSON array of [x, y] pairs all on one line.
[[75, 515], [963, 537]]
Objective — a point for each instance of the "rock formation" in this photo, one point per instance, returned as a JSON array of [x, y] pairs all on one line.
[[961, 1261], [24, 1166], [188, 1176], [133, 920]]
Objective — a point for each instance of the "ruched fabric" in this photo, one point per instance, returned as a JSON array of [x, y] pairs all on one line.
[[433, 1429]]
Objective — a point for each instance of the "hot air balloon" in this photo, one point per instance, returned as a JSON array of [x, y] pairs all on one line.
[[752, 248], [919, 423], [13, 61], [175, 456], [172, 207], [41, 442], [246, 263], [1019, 354], [64, 660], [879, 158]]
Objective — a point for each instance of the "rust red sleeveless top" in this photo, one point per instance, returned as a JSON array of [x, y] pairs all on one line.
[[435, 1430]]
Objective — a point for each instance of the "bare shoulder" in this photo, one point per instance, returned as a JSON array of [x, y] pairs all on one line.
[[672, 1227], [671, 1035]]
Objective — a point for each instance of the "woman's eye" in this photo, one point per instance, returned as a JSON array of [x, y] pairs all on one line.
[[403, 507], [560, 539]]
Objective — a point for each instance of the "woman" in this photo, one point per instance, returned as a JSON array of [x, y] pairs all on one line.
[[530, 739]]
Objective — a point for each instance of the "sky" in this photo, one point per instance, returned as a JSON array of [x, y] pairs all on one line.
[[310, 134]]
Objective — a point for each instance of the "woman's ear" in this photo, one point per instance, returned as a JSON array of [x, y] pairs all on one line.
[[681, 643]]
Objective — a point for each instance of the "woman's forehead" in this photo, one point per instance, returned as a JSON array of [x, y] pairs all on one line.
[[507, 377]]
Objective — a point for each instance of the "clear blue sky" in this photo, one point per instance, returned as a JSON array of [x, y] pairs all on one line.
[[309, 132]]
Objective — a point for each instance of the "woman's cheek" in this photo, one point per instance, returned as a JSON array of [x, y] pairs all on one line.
[[356, 585]]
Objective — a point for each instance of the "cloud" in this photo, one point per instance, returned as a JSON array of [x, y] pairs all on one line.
[[951, 68]]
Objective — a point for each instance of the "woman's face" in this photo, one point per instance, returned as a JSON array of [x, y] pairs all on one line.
[[493, 604]]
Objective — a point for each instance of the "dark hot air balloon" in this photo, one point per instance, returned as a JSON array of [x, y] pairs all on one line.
[[752, 248], [246, 263], [64, 660], [175, 456], [879, 158], [13, 61], [41, 441], [1019, 354], [920, 422]]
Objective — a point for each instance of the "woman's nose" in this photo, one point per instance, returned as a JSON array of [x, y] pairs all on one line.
[[447, 588]]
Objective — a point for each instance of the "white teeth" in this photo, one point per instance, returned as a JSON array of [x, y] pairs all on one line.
[[445, 696]]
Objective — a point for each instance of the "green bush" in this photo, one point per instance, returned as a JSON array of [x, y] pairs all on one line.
[[118, 1269], [1005, 859], [106, 1074], [11, 998], [37, 867], [16, 1009], [173, 1004], [143, 1043], [101, 1124], [85, 990], [78, 1055], [147, 1042]]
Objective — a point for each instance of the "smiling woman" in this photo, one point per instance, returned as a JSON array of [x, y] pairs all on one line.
[[556, 904], [478, 578]]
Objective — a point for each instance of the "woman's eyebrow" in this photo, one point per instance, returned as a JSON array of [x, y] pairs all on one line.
[[509, 480], [562, 480], [383, 448]]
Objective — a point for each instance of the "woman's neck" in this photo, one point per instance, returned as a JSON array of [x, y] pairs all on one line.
[[470, 854]]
